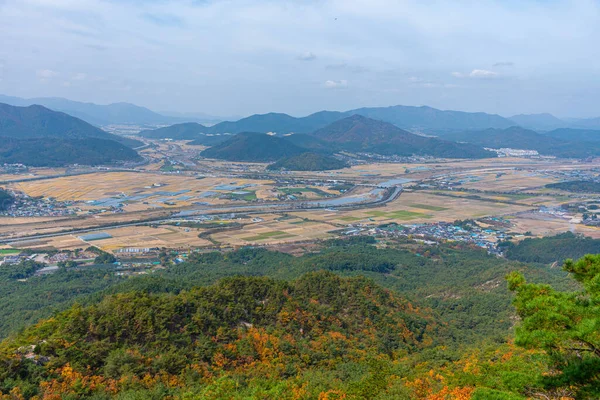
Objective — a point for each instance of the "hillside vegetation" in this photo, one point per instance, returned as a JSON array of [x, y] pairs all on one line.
[[319, 336], [253, 147], [51, 152], [358, 133], [308, 162], [447, 279], [40, 122], [304, 332], [520, 138], [552, 248], [354, 134], [576, 186], [260, 328], [184, 131], [582, 135], [6, 199]]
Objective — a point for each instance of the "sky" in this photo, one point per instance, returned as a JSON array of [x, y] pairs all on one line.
[[239, 57]]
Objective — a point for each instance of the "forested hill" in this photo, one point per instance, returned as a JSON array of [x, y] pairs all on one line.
[[315, 335], [258, 327], [184, 131], [40, 122], [520, 138], [51, 152], [579, 135], [552, 249], [6, 199], [358, 133], [253, 147], [308, 162]]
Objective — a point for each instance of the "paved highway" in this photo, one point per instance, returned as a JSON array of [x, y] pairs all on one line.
[[382, 196]]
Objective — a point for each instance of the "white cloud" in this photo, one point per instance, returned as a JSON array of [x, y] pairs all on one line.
[[80, 76], [336, 84], [483, 73], [46, 73], [234, 49], [308, 56], [477, 74]]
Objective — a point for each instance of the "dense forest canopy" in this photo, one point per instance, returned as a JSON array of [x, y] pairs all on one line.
[[308, 162], [6, 199], [566, 326], [316, 337], [576, 186], [309, 327], [253, 147], [50, 152], [37, 121], [552, 249]]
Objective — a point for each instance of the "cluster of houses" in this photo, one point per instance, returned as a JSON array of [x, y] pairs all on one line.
[[25, 206], [487, 238]]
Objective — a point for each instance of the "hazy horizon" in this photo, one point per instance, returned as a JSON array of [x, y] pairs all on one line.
[[243, 57]]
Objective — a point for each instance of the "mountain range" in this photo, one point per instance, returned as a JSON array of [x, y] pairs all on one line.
[[355, 133], [107, 114], [424, 120], [359, 133], [538, 121], [418, 119], [37, 136], [116, 113], [552, 144]]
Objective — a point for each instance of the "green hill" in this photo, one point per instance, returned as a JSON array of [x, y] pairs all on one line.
[[197, 133], [253, 147], [575, 135], [314, 336], [185, 131], [52, 152], [254, 327], [6, 199], [209, 140], [312, 143], [358, 133], [308, 162], [552, 248], [40, 122], [520, 138], [576, 186]]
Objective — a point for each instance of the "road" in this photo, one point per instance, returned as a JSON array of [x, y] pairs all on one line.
[[383, 197]]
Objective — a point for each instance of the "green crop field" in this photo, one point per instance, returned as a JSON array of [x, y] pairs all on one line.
[[350, 219], [428, 207], [400, 214], [302, 190], [4, 252], [268, 235], [250, 196]]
